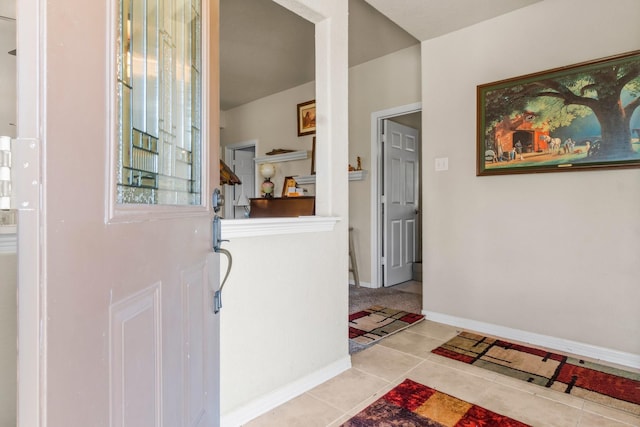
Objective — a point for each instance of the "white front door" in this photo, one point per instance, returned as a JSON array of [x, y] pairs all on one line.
[[126, 334], [401, 190]]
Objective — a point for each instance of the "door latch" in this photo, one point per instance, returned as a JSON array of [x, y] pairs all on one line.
[[217, 200]]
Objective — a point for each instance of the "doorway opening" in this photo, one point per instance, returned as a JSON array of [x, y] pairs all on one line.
[[526, 140], [396, 232], [240, 158]]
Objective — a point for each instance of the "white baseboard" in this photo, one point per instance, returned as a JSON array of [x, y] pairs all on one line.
[[277, 397], [560, 344], [362, 284]]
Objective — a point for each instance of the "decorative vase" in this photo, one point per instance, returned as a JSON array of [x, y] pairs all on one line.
[[267, 188]]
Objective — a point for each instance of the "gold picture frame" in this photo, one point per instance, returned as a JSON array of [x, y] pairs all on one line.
[[578, 117], [289, 181], [307, 118], [313, 157]]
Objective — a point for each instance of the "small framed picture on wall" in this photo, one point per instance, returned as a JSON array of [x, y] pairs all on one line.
[[307, 118]]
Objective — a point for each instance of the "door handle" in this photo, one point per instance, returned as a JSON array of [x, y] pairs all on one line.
[[216, 234], [217, 242]]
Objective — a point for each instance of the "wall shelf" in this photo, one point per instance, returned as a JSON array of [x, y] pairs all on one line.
[[305, 179], [311, 179], [357, 175], [285, 157]]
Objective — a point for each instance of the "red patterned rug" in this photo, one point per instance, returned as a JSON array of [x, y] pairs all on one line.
[[377, 322], [412, 404], [590, 381]]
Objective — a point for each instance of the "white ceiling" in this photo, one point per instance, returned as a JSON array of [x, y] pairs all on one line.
[[426, 19], [265, 48]]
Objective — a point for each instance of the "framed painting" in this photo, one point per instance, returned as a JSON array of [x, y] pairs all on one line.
[[582, 116], [307, 118]]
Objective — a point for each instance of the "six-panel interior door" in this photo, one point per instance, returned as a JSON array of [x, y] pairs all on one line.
[[129, 337], [401, 178]]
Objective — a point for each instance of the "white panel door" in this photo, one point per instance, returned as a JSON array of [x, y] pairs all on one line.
[[127, 336], [244, 167], [401, 187]]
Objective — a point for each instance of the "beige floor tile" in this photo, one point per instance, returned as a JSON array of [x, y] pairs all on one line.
[[435, 330], [348, 389], [408, 342], [303, 411], [529, 408], [362, 405], [340, 421], [611, 413], [384, 362], [455, 382]]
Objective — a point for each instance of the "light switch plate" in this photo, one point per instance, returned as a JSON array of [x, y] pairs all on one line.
[[442, 164]]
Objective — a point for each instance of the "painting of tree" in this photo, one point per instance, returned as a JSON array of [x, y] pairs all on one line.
[[559, 102]]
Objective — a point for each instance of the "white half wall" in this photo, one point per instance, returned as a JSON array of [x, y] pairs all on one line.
[[554, 254]]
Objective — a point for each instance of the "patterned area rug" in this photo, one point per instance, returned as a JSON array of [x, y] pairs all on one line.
[[413, 404], [377, 322], [590, 381]]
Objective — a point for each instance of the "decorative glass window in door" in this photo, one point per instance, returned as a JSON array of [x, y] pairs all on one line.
[[159, 102]]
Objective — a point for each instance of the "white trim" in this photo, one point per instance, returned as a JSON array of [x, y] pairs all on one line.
[[362, 284], [376, 164], [234, 228], [276, 398], [555, 343]]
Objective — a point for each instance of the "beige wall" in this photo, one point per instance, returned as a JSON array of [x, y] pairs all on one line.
[[272, 122], [553, 254]]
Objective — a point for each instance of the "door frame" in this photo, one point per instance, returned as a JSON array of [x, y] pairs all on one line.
[[377, 118], [28, 181], [228, 157]]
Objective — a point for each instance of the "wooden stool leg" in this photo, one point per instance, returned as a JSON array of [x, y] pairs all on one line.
[[352, 259]]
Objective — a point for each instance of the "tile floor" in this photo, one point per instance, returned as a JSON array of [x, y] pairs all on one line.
[[406, 354]]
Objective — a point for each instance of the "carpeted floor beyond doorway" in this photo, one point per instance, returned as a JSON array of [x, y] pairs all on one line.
[[405, 296]]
